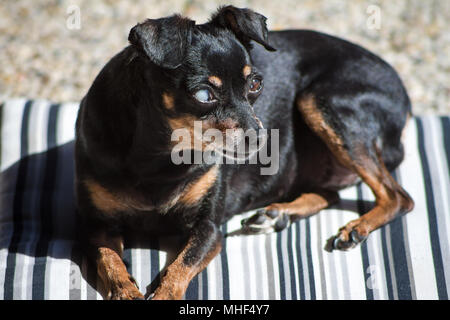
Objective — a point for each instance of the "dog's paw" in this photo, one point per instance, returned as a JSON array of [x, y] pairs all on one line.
[[126, 294], [348, 237], [266, 221], [126, 291]]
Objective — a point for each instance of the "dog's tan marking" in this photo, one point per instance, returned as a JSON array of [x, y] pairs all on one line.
[[216, 81], [116, 280], [228, 123], [103, 199], [307, 204], [314, 119], [391, 198], [183, 122], [178, 275], [188, 122], [109, 202], [197, 190], [246, 71], [168, 100]]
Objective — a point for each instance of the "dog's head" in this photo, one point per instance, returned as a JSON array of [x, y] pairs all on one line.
[[205, 73]]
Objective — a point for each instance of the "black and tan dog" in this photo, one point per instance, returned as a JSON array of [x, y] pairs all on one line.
[[340, 111]]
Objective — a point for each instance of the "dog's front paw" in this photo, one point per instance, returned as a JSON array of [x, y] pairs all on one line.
[[348, 237], [125, 291], [125, 294], [266, 221]]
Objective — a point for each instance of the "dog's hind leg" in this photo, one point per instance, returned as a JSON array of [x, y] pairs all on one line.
[[357, 153], [391, 201], [354, 148]]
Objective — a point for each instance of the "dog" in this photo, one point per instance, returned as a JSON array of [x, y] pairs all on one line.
[[339, 110]]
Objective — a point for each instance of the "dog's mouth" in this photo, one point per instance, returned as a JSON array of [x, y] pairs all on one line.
[[237, 144], [218, 142]]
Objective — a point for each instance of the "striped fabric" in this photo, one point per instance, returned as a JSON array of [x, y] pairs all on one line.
[[407, 259]]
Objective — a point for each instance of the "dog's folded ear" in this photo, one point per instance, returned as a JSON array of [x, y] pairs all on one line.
[[245, 23], [163, 40]]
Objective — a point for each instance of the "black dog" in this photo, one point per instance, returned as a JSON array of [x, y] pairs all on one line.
[[340, 111]]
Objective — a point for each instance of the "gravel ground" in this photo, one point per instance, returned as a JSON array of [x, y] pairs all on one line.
[[44, 55]]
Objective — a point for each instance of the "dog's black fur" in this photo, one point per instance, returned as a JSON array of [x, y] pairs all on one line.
[[123, 129]]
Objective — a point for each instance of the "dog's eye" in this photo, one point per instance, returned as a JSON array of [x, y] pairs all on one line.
[[204, 96], [255, 85]]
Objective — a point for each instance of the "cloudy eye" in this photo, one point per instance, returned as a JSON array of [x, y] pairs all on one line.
[[255, 85], [204, 96]]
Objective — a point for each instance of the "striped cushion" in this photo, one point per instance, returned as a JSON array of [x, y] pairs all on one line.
[[407, 259]]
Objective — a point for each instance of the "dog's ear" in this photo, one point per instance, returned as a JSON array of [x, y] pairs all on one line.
[[163, 40], [245, 23]]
